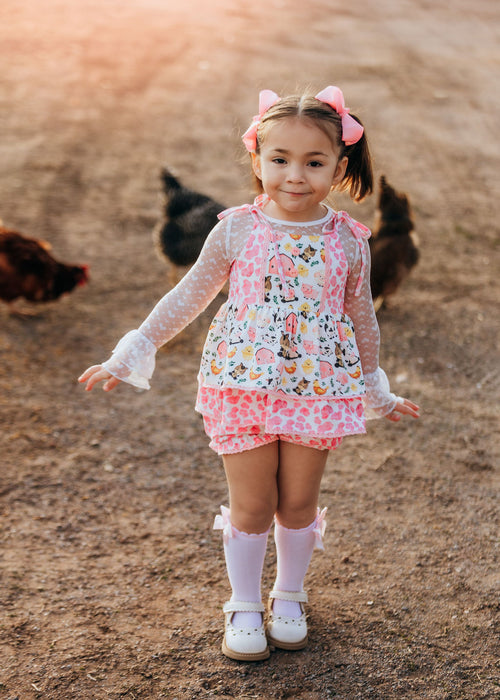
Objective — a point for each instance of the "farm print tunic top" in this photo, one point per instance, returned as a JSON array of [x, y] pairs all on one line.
[[281, 353]]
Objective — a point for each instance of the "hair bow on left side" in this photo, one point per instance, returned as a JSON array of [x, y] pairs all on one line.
[[267, 98]]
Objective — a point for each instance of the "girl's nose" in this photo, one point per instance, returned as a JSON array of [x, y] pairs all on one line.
[[295, 173]]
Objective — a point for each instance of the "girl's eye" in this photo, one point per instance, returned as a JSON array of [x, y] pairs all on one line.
[[279, 161], [316, 164]]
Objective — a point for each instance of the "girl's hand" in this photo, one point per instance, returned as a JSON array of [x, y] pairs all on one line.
[[406, 407], [95, 374]]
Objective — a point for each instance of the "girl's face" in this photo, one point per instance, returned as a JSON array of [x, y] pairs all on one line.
[[298, 166]]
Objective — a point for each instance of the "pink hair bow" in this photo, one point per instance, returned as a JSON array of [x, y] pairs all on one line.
[[267, 98], [319, 528], [352, 130]]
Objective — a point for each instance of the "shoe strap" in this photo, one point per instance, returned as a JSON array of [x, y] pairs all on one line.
[[293, 596], [239, 606]]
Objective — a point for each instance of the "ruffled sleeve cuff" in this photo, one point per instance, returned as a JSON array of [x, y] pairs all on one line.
[[133, 360], [379, 400]]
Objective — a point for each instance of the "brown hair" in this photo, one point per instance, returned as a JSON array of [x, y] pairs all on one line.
[[358, 178]]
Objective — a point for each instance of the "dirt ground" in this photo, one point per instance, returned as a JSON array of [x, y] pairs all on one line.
[[112, 578]]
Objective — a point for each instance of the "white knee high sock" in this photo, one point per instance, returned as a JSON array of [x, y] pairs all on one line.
[[294, 550], [245, 555]]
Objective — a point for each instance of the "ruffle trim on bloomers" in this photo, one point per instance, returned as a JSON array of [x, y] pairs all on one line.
[[234, 411]]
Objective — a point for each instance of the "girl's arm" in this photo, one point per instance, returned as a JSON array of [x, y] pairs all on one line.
[[133, 359], [359, 307]]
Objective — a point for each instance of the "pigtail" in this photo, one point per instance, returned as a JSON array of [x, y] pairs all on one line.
[[358, 177]]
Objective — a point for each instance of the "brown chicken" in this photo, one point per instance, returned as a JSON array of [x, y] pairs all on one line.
[[393, 245], [189, 217], [28, 270]]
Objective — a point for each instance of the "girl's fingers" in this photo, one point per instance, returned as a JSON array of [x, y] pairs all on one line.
[[88, 373], [410, 408], [394, 417], [407, 403], [93, 379], [111, 383], [406, 407], [94, 375]]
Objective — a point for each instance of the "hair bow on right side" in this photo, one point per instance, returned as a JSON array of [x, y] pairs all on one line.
[[352, 130]]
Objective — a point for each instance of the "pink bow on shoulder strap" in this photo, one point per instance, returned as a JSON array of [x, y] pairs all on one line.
[[352, 130], [267, 98]]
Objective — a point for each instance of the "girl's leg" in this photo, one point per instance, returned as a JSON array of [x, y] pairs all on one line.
[[253, 489], [253, 496], [299, 478]]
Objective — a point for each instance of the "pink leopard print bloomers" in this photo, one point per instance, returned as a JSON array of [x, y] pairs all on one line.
[[256, 437], [281, 355]]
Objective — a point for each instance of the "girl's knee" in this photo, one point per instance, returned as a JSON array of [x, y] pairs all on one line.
[[296, 516], [253, 515]]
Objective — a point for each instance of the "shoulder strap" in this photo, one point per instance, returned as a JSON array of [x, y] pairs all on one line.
[[254, 208]]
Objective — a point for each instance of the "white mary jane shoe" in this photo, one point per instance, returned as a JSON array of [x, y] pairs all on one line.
[[287, 632], [244, 643]]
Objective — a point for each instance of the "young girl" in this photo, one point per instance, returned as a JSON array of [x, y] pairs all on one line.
[[283, 377]]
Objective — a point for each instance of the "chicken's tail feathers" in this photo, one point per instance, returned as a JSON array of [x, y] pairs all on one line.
[[169, 180], [385, 187]]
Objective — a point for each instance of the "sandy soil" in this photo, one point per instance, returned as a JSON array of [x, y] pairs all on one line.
[[112, 579]]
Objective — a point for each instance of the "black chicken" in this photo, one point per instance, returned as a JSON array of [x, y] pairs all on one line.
[[189, 217], [28, 270], [393, 245]]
